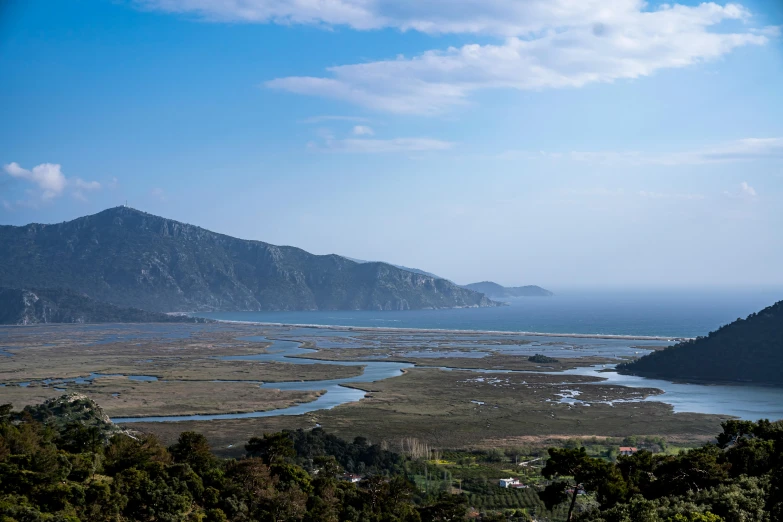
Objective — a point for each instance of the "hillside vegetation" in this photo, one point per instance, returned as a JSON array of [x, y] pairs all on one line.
[[133, 259], [43, 306], [67, 464], [747, 350]]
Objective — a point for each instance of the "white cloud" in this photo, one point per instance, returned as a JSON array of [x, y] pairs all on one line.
[[494, 17], [325, 134], [321, 119], [747, 149], [158, 193], [370, 146], [79, 183], [548, 43], [48, 177], [773, 31], [602, 192], [50, 182], [363, 130], [747, 190], [670, 195], [607, 44], [80, 186], [744, 191]]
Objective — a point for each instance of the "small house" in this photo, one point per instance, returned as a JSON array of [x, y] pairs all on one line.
[[509, 483], [627, 451]]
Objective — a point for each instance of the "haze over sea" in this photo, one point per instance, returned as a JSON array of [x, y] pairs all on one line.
[[674, 313]]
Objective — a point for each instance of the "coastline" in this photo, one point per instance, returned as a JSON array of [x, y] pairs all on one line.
[[454, 331], [700, 381]]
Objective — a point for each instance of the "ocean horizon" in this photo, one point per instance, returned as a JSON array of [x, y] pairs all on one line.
[[649, 313]]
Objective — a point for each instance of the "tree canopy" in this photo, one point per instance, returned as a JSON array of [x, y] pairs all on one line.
[[747, 350], [75, 470]]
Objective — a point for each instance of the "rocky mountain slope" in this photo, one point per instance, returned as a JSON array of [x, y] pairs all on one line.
[[20, 306], [747, 350], [491, 290], [401, 267], [133, 259]]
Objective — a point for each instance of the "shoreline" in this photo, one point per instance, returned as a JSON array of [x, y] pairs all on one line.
[[454, 331], [701, 382]]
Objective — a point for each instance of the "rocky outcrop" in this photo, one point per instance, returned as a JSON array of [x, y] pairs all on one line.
[[74, 408]]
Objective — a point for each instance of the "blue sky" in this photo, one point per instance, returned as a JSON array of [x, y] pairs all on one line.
[[554, 142]]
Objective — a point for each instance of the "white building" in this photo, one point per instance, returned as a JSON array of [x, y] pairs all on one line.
[[509, 483]]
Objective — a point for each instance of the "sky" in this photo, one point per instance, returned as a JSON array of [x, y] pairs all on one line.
[[565, 143]]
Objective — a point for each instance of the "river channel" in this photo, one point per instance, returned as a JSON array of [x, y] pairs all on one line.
[[745, 402]]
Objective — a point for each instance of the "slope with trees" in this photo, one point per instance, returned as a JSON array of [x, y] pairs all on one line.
[[747, 350], [66, 471], [65, 461], [57, 305]]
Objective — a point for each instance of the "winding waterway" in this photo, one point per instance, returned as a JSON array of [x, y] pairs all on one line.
[[745, 402], [290, 352]]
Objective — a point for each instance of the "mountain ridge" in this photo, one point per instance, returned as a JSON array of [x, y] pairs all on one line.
[[492, 289], [144, 261], [401, 267]]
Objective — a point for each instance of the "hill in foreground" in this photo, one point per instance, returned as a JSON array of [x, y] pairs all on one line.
[[43, 306], [133, 259], [747, 350], [60, 412], [493, 290]]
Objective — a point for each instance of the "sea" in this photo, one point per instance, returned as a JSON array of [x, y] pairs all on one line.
[[651, 312]]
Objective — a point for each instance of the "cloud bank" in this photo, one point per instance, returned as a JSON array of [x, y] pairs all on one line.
[[49, 182], [542, 44], [379, 146], [625, 46], [492, 17], [746, 149]]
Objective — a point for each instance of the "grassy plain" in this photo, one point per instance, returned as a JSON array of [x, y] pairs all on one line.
[[182, 357], [435, 407], [193, 358], [446, 409], [120, 397]]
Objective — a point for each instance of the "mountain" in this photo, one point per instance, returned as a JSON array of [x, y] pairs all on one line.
[[747, 350], [129, 258], [491, 289], [40, 306], [414, 270]]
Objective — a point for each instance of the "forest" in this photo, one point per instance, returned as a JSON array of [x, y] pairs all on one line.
[[60, 465], [746, 350]]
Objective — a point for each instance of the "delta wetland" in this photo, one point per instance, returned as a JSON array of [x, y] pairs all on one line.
[[447, 389]]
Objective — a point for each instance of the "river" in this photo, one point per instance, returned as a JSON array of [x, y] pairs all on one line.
[[745, 402]]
